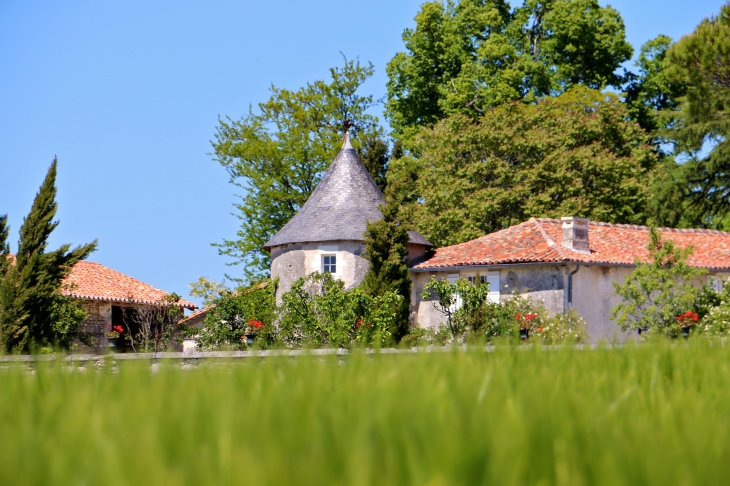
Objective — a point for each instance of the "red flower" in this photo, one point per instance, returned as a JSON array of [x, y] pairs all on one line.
[[517, 317], [358, 323], [256, 324], [118, 329], [539, 329]]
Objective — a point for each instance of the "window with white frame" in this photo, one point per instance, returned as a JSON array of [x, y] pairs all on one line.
[[329, 264], [715, 283], [492, 278]]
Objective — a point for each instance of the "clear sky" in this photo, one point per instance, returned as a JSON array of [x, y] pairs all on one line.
[[127, 95]]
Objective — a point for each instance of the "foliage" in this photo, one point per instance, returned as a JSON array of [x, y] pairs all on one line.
[[458, 301], [150, 328], [470, 55], [227, 324], [386, 248], [208, 290], [375, 154], [65, 316], [650, 415], [701, 62], [715, 312], [474, 319], [30, 300], [277, 156], [318, 312], [575, 155], [659, 290], [652, 95], [558, 328]]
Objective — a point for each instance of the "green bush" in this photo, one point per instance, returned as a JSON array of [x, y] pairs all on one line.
[[237, 314], [318, 312], [659, 290]]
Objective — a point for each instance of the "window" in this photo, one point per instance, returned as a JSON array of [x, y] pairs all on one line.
[[715, 283], [329, 264], [472, 280], [493, 280]]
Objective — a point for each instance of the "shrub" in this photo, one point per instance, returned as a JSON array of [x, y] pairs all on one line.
[[659, 290], [227, 324], [318, 312]]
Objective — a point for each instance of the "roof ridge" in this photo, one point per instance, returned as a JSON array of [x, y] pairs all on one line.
[[548, 240], [699, 231]]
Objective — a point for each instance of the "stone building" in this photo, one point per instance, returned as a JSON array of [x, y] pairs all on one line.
[[107, 295], [327, 234], [571, 262]]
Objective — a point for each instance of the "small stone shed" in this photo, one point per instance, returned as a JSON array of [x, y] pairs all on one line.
[[571, 262], [106, 294], [327, 234]]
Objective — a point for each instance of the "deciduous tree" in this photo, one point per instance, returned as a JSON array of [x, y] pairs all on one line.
[[467, 56], [277, 156], [575, 155]]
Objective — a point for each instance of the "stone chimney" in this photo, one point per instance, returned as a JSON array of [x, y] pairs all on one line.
[[575, 234]]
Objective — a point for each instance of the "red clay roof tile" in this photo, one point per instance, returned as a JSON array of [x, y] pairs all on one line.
[[94, 281], [539, 241]]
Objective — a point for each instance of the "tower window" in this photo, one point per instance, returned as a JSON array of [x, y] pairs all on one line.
[[329, 264]]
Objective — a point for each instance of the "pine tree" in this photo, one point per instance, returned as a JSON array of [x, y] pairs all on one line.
[[30, 288], [386, 247]]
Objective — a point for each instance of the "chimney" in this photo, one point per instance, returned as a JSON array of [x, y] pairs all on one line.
[[575, 234]]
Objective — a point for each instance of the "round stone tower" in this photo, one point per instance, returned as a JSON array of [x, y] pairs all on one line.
[[327, 234]]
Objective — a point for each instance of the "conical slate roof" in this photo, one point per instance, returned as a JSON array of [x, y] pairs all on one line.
[[342, 203]]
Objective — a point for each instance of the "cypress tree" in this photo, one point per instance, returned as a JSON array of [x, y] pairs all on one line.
[[386, 247], [30, 288]]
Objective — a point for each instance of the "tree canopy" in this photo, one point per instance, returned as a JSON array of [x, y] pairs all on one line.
[[277, 156], [701, 186], [471, 55], [573, 155]]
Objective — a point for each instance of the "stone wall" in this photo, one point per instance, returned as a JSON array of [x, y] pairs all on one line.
[[593, 293], [291, 262], [100, 314]]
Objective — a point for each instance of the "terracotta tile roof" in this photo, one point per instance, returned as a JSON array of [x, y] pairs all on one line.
[[94, 281], [197, 316], [539, 241]]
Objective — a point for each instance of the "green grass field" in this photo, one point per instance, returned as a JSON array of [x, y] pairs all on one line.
[[653, 414]]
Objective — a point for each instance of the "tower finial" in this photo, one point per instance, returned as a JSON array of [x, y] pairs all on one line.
[[347, 145]]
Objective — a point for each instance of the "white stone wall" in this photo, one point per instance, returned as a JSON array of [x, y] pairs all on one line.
[[545, 283], [294, 261], [593, 294]]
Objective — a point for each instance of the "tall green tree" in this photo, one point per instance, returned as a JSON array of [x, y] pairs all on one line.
[[467, 56], [701, 62], [386, 248], [277, 156], [575, 155], [651, 95], [33, 313]]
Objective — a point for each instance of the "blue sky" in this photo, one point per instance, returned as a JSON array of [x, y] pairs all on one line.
[[127, 95]]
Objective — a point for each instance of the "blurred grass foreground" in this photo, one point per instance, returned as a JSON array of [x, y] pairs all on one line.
[[649, 414]]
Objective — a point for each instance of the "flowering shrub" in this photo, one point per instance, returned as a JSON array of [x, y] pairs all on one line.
[[248, 311], [559, 328], [254, 326], [523, 320], [317, 311], [689, 318], [115, 332], [717, 320]]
